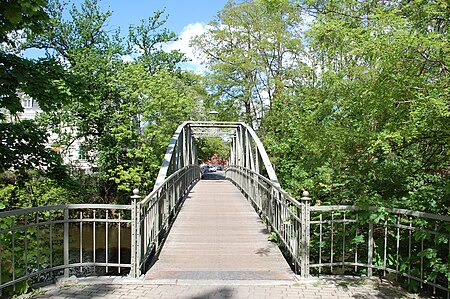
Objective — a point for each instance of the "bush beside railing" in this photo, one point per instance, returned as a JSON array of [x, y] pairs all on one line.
[[408, 246]]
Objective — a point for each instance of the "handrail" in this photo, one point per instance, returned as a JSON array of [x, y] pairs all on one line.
[[60, 207], [43, 233], [281, 212], [389, 210], [158, 188], [276, 186]]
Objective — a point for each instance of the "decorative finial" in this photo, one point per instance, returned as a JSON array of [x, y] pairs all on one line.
[[136, 191]]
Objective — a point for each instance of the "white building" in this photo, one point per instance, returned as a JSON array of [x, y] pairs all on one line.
[[75, 155]]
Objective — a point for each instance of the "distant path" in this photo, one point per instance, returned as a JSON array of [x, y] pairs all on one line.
[[219, 236]]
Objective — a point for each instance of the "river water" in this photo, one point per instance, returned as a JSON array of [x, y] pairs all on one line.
[[93, 245]]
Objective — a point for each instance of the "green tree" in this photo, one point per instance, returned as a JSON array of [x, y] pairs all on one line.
[[208, 147], [372, 123], [250, 48], [148, 37], [153, 106], [123, 113], [23, 142]]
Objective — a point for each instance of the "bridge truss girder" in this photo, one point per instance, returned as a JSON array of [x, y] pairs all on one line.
[[246, 148]]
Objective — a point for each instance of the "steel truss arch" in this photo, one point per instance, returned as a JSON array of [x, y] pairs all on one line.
[[246, 149]]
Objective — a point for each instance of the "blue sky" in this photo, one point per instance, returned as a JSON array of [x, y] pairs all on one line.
[[185, 17], [181, 12]]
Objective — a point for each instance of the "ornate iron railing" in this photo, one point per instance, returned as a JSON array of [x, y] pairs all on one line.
[[353, 240], [395, 242]]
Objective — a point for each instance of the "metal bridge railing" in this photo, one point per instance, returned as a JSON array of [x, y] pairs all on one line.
[[38, 244], [156, 212], [395, 243], [42, 243]]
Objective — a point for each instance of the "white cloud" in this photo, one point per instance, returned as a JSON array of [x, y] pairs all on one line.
[[126, 58], [182, 44], [131, 57]]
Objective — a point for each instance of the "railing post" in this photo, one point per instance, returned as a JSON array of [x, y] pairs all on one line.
[[370, 250], [298, 238], [167, 202], [305, 237], [66, 242], [135, 198]]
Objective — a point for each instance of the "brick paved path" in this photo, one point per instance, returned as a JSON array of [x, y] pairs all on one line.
[[315, 288]]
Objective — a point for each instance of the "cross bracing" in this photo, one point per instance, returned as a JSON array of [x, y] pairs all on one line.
[[246, 148]]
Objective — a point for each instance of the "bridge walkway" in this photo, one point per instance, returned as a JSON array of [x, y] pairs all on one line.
[[218, 236]]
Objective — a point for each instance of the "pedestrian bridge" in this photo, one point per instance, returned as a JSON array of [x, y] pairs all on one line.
[[237, 226]]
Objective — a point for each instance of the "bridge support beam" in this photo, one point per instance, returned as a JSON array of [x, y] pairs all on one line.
[[247, 151]]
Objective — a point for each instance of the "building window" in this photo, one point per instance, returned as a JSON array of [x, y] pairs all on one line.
[[82, 152], [27, 102]]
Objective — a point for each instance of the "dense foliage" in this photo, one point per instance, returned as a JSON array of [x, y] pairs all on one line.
[[250, 48], [212, 147], [42, 79], [354, 94]]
